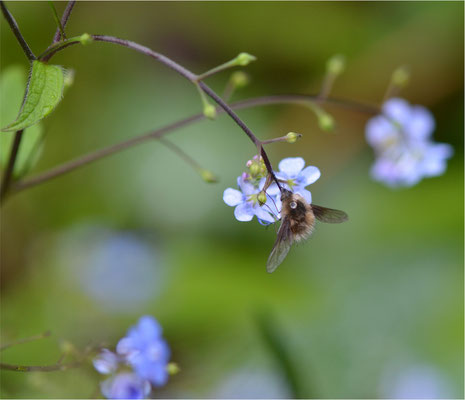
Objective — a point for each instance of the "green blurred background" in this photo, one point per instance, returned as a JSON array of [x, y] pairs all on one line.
[[363, 310]]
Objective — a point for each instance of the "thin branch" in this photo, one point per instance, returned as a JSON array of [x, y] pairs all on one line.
[[26, 340], [8, 174], [64, 21], [38, 368], [15, 28], [258, 101], [57, 21]]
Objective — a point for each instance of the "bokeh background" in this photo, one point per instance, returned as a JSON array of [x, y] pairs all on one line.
[[371, 308]]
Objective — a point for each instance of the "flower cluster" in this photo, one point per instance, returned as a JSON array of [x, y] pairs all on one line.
[[402, 139], [140, 361], [251, 200]]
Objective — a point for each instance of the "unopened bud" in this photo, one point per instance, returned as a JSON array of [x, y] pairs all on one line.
[[173, 368], [400, 77], [261, 198], [244, 59], [325, 121], [292, 137], [336, 64], [239, 79], [249, 163], [86, 39], [254, 169], [208, 176], [209, 111]]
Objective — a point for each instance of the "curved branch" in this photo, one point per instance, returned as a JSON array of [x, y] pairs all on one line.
[[38, 368], [105, 152]]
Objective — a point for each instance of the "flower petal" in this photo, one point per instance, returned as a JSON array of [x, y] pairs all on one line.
[[246, 187], [291, 166], [379, 132], [421, 123], [244, 212], [264, 215], [232, 197], [308, 176], [397, 109], [106, 362], [305, 194]]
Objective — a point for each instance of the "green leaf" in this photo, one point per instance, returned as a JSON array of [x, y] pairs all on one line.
[[43, 93], [12, 82]]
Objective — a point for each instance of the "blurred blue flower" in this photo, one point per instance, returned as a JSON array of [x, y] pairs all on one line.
[[125, 386], [296, 177], [146, 351], [414, 382], [246, 201], [106, 362], [119, 270], [402, 140]]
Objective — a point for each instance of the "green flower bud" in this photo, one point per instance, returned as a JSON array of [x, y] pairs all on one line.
[[325, 121], [244, 59], [86, 39], [209, 111], [208, 176], [173, 368], [261, 198], [254, 169], [336, 64], [239, 79], [400, 77], [292, 137]]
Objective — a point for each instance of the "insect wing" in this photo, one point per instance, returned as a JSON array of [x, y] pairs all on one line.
[[281, 247], [329, 215]]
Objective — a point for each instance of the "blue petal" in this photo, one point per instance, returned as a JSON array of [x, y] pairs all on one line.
[[305, 194], [246, 187], [244, 212], [232, 197], [380, 131], [106, 362], [264, 215], [308, 176], [125, 386], [292, 166], [397, 109], [421, 123]]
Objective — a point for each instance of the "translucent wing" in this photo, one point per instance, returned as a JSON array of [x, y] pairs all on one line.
[[329, 215], [281, 247]]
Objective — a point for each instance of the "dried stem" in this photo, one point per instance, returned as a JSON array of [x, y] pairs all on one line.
[[26, 340], [38, 368]]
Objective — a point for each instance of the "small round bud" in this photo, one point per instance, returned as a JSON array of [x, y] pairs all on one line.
[[400, 77], [292, 137], [325, 121], [254, 169], [239, 79], [336, 64], [67, 347], [86, 39], [261, 198], [249, 163], [245, 176], [173, 368], [209, 111], [244, 59], [208, 176]]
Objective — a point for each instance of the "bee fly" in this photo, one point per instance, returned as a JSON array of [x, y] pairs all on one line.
[[297, 222]]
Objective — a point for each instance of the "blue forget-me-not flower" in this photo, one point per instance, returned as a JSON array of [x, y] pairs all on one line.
[[292, 175], [402, 139], [145, 351]]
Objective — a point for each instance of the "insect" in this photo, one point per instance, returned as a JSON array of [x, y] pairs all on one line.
[[297, 223]]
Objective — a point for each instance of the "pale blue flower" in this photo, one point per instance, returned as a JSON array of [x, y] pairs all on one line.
[[146, 351], [246, 201], [106, 362], [402, 140], [296, 177], [125, 386]]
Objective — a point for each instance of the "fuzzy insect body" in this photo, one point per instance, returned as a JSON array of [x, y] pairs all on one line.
[[297, 223]]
